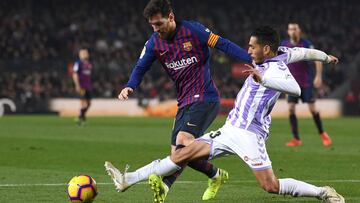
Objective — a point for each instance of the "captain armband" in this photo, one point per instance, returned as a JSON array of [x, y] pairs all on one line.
[[213, 38]]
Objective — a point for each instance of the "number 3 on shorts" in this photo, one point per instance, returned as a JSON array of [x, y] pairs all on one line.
[[214, 134]]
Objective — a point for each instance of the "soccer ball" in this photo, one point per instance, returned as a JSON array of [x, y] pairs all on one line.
[[82, 189]]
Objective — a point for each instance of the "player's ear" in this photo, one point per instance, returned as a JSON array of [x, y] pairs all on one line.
[[266, 49]]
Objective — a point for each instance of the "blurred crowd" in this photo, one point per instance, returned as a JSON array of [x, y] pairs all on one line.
[[39, 41]]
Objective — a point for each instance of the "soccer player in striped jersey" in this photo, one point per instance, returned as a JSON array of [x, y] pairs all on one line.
[[302, 72], [247, 126], [183, 49], [82, 80]]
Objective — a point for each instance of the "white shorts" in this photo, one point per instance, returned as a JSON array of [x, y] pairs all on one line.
[[248, 146]]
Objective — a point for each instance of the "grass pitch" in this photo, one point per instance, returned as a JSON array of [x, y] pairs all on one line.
[[40, 154]]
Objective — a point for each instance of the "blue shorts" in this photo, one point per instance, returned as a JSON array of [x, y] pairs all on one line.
[[194, 118], [85, 94], [307, 96]]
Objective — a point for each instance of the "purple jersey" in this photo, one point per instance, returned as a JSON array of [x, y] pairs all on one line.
[[83, 69], [300, 70], [186, 59], [255, 102]]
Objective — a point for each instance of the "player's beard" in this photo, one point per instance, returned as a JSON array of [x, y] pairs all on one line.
[[167, 35]]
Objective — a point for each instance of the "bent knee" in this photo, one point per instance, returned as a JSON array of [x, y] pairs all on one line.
[[180, 156], [184, 138]]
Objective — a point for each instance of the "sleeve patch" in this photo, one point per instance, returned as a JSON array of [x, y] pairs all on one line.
[[143, 52]]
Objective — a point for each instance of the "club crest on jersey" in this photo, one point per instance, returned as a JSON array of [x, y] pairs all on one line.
[[187, 46]]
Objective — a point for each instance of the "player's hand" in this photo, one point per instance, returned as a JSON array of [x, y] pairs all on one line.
[[78, 89], [124, 94], [253, 72], [333, 60], [317, 82]]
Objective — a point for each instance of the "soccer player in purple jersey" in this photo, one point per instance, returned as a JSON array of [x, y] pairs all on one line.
[[82, 80], [303, 75], [183, 49], [247, 126]]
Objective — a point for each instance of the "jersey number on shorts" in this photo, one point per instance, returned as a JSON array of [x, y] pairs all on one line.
[[213, 135]]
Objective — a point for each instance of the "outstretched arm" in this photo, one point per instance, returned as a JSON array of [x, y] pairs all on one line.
[[215, 41], [230, 48], [143, 64], [304, 54]]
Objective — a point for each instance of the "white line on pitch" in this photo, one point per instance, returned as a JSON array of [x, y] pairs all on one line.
[[179, 182]]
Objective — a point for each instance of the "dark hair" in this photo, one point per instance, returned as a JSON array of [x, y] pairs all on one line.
[[157, 6], [294, 22], [267, 35]]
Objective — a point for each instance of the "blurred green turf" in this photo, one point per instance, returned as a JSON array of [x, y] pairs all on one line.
[[49, 149]]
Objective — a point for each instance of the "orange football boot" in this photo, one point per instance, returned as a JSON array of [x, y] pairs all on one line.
[[326, 140], [293, 143]]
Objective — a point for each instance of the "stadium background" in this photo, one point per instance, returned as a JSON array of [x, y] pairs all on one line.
[[40, 39], [39, 154]]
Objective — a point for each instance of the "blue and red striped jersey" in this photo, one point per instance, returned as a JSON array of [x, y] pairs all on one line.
[[83, 69], [186, 59]]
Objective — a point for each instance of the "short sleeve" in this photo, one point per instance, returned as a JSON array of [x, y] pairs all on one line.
[[309, 45], [76, 66], [283, 43]]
